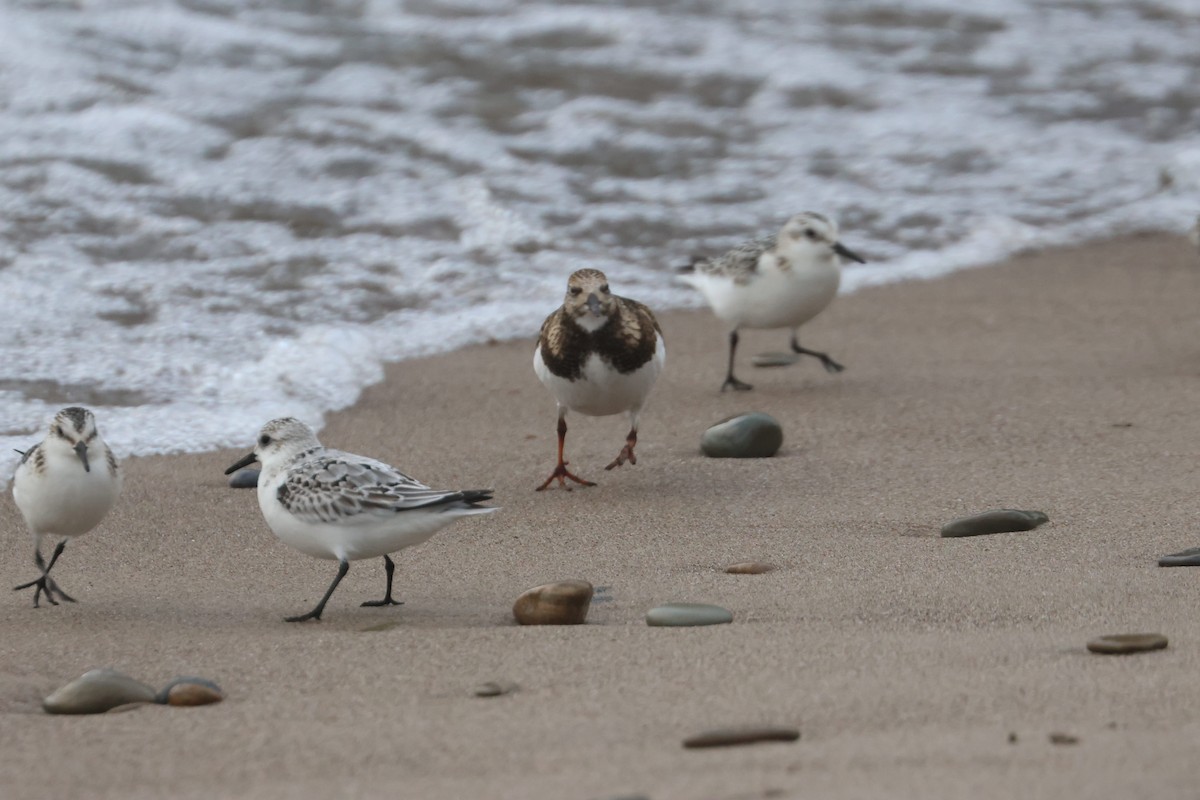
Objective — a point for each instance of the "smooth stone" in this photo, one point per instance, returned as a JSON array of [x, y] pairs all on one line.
[[775, 359], [244, 479], [97, 691], [751, 435], [1063, 738], [749, 568], [1005, 520], [189, 690], [1184, 558], [685, 615], [494, 688], [728, 737], [561, 603], [1122, 643]]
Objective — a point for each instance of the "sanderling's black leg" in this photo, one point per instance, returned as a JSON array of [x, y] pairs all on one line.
[[829, 364], [389, 567], [44, 583], [343, 568], [731, 381]]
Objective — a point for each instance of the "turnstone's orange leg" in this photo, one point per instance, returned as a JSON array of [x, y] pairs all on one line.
[[561, 472], [626, 453]]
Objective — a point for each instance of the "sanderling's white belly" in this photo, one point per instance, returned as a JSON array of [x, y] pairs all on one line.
[[66, 504], [772, 299], [601, 390]]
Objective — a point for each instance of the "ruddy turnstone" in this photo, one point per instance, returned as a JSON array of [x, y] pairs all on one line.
[[599, 354], [345, 507], [779, 281], [64, 486]]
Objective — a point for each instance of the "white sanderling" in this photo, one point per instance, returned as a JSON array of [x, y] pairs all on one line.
[[779, 281], [345, 507], [599, 354], [64, 486]]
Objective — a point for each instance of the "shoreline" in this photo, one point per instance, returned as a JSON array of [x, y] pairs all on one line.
[[1062, 381]]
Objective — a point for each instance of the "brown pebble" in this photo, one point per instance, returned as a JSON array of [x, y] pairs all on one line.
[[1063, 738], [1012, 737], [1122, 643], [494, 688], [728, 737], [193, 694], [749, 568], [561, 603]]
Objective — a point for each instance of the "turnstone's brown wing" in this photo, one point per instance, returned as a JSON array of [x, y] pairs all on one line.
[[563, 347], [635, 336]]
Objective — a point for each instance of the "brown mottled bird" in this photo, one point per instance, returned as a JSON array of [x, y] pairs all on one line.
[[599, 354]]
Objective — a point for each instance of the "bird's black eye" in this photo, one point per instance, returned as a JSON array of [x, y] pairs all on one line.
[[576, 290], [604, 288], [264, 440], [810, 233], [58, 429]]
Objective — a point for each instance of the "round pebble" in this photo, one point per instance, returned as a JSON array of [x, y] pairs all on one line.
[[1184, 558], [189, 690], [97, 691], [244, 479], [687, 615], [775, 359], [729, 737], [1063, 738], [1122, 643], [749, 568], [561, 603], [1005, 520], [751, 435], [494, 688]]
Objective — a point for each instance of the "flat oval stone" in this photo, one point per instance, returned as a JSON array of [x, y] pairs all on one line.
[[244, 479], [494, 688], [1184, 558], [97, 691], [1004, 520], [751, 435], [728, 737], [775, 359], [687, 615], [561, 603], [1122, 643], [749, 568], [189, 690]]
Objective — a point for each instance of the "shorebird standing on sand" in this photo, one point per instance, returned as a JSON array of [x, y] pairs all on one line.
[[599, 354], [343, 507], [64, 486], [779, 281]]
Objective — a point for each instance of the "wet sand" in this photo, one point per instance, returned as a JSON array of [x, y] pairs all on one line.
[[1067, 382]]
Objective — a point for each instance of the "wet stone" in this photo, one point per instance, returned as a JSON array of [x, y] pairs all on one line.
[[775, 359], [561, 603], [1184, 558], [1124, 643], [244, 479], [751, 435], [494, 688], [189, 690], [1005, 520], [97, 691], [749, 568], [730, 737], [687, 615], [1063, 738]]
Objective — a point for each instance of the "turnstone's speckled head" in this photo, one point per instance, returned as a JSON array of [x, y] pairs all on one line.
[[814, 234], [279, 441], [589, 301], [72, 430]]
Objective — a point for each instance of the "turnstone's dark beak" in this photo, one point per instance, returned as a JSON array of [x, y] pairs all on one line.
[[846, 252], [242, 462], [593, 304], [81, 451]]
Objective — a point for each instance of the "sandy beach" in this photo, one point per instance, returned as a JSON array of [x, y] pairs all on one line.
[[914, 666]]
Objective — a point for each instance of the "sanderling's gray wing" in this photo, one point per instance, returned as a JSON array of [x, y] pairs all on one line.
[[740, 264], [337, 487]]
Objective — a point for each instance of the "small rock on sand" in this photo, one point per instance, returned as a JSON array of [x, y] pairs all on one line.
[[1005, 520]]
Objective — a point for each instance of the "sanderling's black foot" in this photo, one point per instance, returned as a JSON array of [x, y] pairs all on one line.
[[733, 383], [387, 601]]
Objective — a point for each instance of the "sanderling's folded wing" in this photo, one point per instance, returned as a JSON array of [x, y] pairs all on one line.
[[339, 487], [739, 264]]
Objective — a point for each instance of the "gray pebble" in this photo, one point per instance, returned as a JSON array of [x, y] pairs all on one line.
[[751, 435], [1184, 558], [494, 688], [775, 359], [1124, 643], [97, 691], [686, 615], [1005, 520], [244, 479], [727, 737]]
